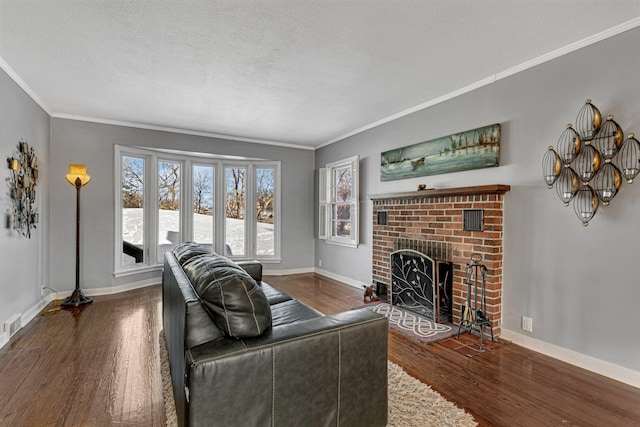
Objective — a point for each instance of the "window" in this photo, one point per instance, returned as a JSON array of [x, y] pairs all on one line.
[[164, 199], [235, 225], [338, 202], [203, 185], [168, 206], [265, 211], [132, 217]]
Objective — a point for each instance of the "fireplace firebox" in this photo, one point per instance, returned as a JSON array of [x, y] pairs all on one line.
[[422, 284]]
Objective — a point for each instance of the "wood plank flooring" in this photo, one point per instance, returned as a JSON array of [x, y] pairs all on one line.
[[91, 366], [506, 386], [98, 366]]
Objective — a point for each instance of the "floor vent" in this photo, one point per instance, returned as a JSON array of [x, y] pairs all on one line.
[[13, 325]]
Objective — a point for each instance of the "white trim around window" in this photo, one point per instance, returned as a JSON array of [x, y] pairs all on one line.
[[143, 222], [339, 202]]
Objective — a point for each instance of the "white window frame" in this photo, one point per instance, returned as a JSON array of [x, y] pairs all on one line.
[[188, 160], [327, 203]]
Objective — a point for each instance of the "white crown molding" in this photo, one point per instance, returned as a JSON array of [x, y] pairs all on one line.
[[625, 26], [16, 78], [618, 29], [607, 369], [177, 130]]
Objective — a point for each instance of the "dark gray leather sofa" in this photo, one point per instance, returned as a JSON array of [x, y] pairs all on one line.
[[245, 354]]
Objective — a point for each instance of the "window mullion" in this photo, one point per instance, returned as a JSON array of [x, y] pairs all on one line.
[[219, 208], [118, 226], [250, 213], [151, 214], [186, 201]]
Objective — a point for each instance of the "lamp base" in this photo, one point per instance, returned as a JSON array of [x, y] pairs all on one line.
[[76, 299]]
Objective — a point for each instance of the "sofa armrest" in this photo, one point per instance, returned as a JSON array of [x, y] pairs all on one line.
[[329, 370], [253, 268]]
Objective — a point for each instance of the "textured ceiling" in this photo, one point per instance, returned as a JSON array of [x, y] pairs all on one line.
[[302, 72]]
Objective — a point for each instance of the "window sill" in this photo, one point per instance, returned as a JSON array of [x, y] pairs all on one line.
[[346, 244]]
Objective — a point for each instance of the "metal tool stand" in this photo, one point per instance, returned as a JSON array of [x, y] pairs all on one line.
[[474, 314]]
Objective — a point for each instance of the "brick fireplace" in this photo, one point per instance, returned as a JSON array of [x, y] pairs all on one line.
[[441, 216]]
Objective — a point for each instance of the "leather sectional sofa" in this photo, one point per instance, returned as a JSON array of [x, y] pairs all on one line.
[[242, 353]]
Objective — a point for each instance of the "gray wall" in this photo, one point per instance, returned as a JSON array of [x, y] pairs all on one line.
[[93, 144], [22, 261], [580, 285]]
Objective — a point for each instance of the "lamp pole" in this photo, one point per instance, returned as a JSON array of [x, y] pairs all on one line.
[[77, 298]]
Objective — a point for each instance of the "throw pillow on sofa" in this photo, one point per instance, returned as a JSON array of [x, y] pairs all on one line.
[[187, 250], [232, 298]]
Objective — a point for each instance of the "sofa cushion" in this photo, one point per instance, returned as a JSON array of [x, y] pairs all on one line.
[[187, 250], [274, 296], [292, 311], [232, 298]]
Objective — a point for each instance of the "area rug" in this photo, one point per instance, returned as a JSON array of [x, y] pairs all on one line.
[[412, 324], [411, 403]]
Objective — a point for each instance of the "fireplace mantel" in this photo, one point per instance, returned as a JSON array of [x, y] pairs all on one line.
[[459, 191]]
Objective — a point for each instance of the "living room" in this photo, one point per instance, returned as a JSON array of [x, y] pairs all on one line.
[[578, 284]]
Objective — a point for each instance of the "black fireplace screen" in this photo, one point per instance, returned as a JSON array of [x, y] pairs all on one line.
[[422, 284], [412, 279]]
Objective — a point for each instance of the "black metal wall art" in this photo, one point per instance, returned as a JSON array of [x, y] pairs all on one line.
[[22, 180]]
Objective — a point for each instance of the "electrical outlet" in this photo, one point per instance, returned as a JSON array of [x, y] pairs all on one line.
[[527, 324], [319, 263]]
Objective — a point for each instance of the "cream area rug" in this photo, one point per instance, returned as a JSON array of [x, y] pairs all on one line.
[[411, 402]]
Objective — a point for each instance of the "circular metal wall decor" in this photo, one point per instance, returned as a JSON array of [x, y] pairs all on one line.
[[596, 158], [23, 179]]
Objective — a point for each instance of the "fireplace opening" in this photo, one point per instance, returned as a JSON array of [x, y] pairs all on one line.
[[422, 283]]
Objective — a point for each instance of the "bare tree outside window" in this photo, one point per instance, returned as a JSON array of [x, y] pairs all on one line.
[[265, 195], [132, 193], [132, 182], [169, 184], [235, 192], [203, 189], [342, 212], [203, 215], [343, 184], [235, 210]]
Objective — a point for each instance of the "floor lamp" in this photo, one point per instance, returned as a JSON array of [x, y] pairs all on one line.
[[77, 177]]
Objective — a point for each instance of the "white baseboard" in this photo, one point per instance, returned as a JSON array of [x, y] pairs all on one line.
[[346, 280], [273, 272], [122, 288], [601, 367]]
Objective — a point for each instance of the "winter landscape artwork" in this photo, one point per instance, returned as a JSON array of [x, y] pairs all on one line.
[[472, 149]]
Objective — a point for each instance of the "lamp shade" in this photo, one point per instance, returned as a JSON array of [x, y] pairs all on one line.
[[78, 172]]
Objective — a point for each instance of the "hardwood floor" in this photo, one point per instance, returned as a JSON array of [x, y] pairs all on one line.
[[506, 386], [91, 366], [99, 366]]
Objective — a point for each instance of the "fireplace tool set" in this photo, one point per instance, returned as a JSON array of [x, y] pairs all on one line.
[[474, 315]]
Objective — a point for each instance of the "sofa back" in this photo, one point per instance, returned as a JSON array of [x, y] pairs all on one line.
[[205, 297]]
